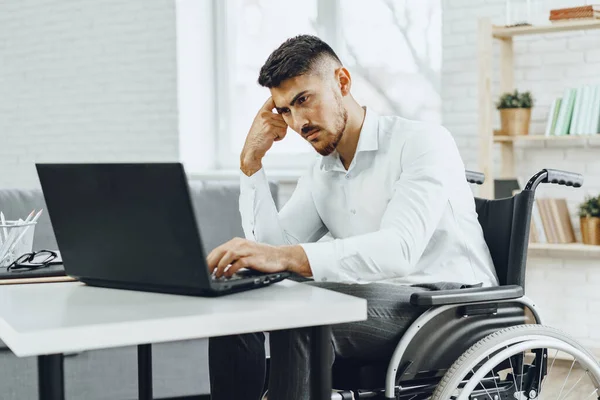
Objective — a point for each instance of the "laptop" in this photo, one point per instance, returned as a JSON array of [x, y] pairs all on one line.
[[132, 226]]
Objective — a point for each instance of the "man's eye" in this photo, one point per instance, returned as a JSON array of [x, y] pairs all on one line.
[[285, 112], [301, 99]]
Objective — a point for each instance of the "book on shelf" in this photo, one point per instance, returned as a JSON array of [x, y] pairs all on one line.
[[537, 226], [581, 12], [577, 109], [552, 116], [577, 112], [580, 16], [551, 222], [565, 113], [594, 121]]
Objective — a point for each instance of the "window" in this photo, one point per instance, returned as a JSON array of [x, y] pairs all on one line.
[[392, 49]]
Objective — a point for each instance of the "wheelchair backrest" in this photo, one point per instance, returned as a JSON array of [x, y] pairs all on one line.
[[505, 223]]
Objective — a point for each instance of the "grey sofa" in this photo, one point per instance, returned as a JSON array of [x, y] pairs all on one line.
[[179, 368]]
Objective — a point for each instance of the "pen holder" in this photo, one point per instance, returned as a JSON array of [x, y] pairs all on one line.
[[16, 240]]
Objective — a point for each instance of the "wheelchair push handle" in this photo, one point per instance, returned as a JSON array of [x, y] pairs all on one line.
[[555, 176], [475, 177], [564, 178]]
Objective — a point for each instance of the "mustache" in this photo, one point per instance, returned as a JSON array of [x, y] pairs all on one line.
[[307, 129]]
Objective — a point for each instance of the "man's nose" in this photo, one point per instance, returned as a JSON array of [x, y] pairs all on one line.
[[300, 121]]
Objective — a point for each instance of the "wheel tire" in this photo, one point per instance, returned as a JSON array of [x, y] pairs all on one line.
[[453, 377]]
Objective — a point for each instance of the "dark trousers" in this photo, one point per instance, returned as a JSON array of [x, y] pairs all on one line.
[[238, 365]]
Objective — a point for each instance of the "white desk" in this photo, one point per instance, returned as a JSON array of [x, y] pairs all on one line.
[[47, 320]]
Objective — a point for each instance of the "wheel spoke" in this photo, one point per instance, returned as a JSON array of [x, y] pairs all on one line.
[[573, 387], [553, 361], [548, 374], [486, 392], [566, 379]]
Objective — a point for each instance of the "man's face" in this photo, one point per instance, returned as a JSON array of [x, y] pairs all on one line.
[[314, 109]]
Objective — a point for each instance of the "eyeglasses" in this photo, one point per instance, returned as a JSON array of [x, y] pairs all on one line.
[[34, 260]]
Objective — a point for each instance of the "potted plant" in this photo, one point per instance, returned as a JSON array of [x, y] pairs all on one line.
[[589, 217], [515, 113]]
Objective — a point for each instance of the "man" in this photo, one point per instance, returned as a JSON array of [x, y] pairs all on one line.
[[392, 193]]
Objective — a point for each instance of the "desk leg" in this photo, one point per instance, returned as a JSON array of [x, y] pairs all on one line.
[[51, 377], [145, 371], [321, 357]]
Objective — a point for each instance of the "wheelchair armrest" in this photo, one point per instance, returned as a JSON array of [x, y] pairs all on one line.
[[470, 295]]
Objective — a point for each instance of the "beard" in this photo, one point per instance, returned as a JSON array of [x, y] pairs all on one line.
[[331, 139]]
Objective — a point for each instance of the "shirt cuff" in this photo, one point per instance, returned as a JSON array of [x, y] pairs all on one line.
[[323, 261], [251, 188], [253, 181]]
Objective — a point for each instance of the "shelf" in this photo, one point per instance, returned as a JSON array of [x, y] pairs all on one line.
[[573, 250], [528, 138], [486, 58], [501, 32]]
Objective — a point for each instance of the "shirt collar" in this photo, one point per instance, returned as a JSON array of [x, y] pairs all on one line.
[[368, 139]]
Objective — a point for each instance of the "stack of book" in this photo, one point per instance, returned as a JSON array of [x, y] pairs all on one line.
[[583, 12], [577, 112], [551, 222]]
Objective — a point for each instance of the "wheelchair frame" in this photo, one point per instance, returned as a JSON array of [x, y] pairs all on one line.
[[429, 315], [443, 301]]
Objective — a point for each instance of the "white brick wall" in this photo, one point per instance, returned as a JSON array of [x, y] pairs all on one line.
[[566, 293], [565, 289], [544, 64], [86, 80]]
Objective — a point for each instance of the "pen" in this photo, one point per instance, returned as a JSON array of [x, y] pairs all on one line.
[[29, 217], [37, 216]]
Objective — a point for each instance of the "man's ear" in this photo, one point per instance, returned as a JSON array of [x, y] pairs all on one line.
[[344, 80]]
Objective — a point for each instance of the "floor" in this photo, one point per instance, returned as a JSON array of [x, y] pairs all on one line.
[[568, 383]]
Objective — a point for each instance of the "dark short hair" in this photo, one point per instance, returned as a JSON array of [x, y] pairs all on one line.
[[296, 56]]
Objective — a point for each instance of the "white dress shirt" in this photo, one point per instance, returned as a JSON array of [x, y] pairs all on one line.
[[402, 213]]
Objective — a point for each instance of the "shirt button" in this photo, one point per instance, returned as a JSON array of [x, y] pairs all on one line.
[[353, 211], [324, 279], [348, 176]]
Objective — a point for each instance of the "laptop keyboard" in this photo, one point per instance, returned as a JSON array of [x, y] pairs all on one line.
[[226, 278], [241, 274]]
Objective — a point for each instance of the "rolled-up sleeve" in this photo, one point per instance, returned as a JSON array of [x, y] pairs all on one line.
[[414, 211], [297, 222]]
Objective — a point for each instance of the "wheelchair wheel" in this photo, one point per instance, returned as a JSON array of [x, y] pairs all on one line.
[[522, 362]]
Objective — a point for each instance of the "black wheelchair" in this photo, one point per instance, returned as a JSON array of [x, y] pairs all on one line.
[[482, 343]]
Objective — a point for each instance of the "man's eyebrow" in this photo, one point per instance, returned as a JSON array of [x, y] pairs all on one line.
[[296, 97], [280, 110]]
